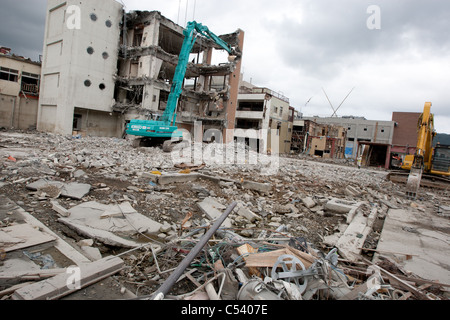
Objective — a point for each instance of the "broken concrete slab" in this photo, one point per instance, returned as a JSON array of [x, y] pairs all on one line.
[[428, 242], [351, 242], [62, 246], [309, 202], [122, 219], [257, 186], [165, 179], [60, 209], [213, 210], [92, 253], [22, 236], [103, 236], [341, 206], [247, 214], [352, 191], [64, 284], [71, 190]]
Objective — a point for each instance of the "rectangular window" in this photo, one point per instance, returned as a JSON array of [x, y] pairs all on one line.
[[9, 74], [30, 82], [281, 111]]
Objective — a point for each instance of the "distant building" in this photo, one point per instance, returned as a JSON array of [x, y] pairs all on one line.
[[19, 91], [320, 140], [370, 138], [405, 134], [264, 110]]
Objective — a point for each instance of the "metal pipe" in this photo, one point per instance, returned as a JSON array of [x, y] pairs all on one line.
[[167, 285]]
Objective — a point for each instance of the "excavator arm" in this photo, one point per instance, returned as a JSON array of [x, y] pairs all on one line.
[[424, 151], [190, 36], [164, 127]]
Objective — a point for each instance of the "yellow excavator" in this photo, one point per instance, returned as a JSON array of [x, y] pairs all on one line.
[[431, 161]]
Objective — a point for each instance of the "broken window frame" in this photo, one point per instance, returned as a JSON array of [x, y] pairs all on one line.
[[30, 82], [8, 74]]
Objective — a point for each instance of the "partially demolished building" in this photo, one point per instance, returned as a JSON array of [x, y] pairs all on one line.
[[149, 56], [320, 140], [109, 67]]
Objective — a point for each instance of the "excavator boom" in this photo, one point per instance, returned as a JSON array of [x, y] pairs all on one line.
[[424, 151], [165, 127]]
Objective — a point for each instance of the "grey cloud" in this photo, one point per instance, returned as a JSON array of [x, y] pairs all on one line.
[[22, 26]]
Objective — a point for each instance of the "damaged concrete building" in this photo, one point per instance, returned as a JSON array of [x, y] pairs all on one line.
[[81, 46], [150, 47], [372, 138], [109, 67], [320, 140], [267, 111], [19, 90]]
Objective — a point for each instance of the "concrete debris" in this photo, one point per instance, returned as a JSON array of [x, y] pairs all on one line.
[[310, 231], [99, 220], [55, 188], [341, 206], [309, 202]]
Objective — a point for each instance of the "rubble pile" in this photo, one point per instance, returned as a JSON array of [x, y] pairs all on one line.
[[308, 231]]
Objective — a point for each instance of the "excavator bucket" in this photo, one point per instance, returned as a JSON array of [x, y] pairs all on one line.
[[413, 183]]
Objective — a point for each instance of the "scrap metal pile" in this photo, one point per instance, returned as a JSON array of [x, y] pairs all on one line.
[[222, 265]]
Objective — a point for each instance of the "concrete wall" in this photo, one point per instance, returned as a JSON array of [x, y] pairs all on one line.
[[79, 63], [16, 110], [98, 123]]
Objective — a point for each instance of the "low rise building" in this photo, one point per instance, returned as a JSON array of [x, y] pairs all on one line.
[[262, 113], [19, 91], [320, 140], [362, 134]]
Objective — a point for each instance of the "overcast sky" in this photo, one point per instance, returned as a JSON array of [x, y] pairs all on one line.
[[302, 47]]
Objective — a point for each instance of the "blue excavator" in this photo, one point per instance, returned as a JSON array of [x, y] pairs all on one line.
[[164, 127]]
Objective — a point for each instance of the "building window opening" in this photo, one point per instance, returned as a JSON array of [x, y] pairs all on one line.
[[9, 74], [77, 122], [87, 83], [93, 17], [30, 83], [108, 23], [251, 106], [105, 55], [90, 50], [102, 86]]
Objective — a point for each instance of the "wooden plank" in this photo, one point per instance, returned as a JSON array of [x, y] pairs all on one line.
[[245, 250], [268, 259], [57, 287], [23, 236]]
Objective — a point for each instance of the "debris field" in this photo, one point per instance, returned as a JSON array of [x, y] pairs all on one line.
[[136, 223]]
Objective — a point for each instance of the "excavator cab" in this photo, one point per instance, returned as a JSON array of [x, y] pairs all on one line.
[[441, 160]]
